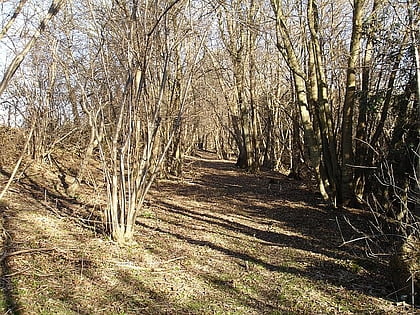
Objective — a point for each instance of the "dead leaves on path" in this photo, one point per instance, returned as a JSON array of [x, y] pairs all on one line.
[[218, 241]]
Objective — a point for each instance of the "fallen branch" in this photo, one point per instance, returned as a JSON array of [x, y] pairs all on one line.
[[17, 163], [25, 251], [80, 221], [170, 260], [369, 237], [16, 273], [130, 265]]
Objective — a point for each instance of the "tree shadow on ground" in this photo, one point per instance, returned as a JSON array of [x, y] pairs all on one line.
[[296, 208], [235, 193], [333, 273], [265, 237], [223, 178], [11, 302], [61, 205], [221, 187]]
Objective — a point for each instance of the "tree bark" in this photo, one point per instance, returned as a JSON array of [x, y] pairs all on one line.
[[9, 24], [349, 104], [16, 62], [285, 46]]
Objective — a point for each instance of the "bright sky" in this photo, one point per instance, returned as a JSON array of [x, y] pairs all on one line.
[[18, 35]]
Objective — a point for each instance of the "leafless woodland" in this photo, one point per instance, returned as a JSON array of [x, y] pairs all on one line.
[[106, 104]]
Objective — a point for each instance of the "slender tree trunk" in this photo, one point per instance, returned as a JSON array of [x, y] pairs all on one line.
[[349, 104], [402, 155], [361, 149], [312, 142], [16, 62], [12, 19], [318, 88], [296, 163]]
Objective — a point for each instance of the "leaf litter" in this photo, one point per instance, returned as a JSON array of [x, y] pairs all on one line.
[[218, 241]]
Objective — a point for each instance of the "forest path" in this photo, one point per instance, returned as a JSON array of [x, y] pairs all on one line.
[[286, 213], [283, 213], [235, 223], [219, 241]]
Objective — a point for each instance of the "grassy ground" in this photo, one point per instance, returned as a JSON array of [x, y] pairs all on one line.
[[219, 241]]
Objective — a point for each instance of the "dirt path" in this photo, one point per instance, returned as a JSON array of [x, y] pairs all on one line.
[[221, 241]]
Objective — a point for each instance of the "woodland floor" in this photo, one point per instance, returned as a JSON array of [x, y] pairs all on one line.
[[219, 241]]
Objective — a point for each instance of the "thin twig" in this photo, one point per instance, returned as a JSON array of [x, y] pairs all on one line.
[[339, 228], [169, 261], [12, 176], [16, 273], [129, 265], [26, 251], [368, 237], [362, 166], [368, 144]]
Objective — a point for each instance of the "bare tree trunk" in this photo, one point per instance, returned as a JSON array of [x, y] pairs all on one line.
[[312, 142], [347, 193], [318, 88], [296, 163], [240, 39], [361, 149], [14, 65], [15, 14], [131, 150]]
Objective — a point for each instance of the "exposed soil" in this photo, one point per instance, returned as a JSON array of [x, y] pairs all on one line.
[[219, 241]]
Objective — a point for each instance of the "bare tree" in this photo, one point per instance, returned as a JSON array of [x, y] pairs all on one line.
[[132, 118], [237, 27], [349, 103], [16, 62], [12, 19]]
